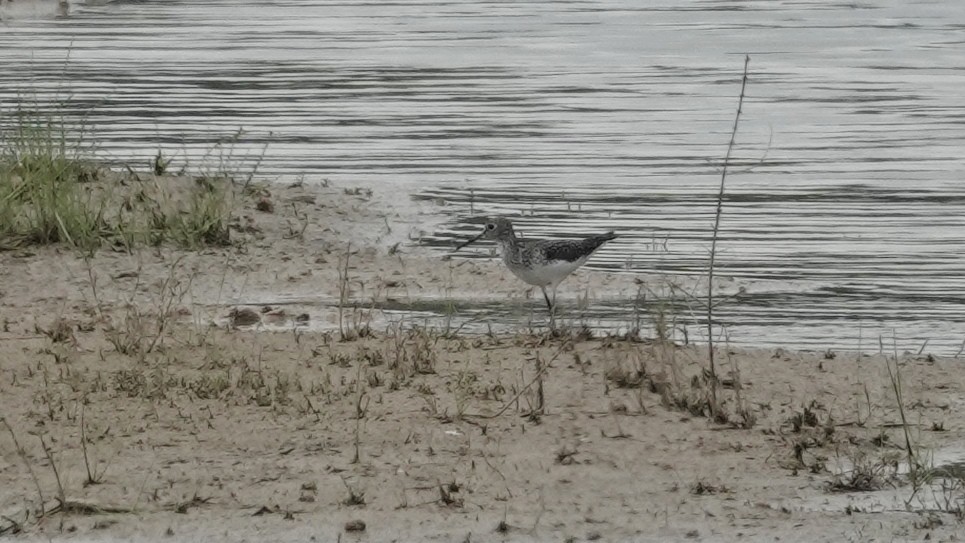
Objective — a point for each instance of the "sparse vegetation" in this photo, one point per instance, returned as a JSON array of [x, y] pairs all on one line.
[[53, 192], [468, 392], [353, 322], [864, 473], [114, 398], [355, 496]]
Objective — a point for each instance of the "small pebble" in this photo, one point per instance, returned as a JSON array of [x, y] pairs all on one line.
[[265, 205], [355, 526], [243, 317]]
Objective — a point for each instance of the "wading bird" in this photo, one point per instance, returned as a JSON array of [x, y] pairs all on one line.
[[540, 262]]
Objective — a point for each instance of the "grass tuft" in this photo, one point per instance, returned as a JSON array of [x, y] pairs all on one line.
[[52, 192]]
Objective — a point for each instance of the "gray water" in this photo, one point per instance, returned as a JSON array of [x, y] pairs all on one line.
[[845, 202]]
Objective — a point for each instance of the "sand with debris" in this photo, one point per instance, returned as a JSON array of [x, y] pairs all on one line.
[[166, 418]]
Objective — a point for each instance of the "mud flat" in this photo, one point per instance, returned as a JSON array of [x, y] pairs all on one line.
[[166, 394]]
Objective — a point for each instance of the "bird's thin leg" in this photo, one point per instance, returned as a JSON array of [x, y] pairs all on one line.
[[549, 305], [553, 308]]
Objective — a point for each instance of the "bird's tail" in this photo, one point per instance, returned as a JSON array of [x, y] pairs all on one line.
[[598, 240]]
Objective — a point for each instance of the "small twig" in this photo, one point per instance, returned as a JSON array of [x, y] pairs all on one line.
[[21, 338], [165, 305], [300, 234], [26, 461], [133, 173], [485, 458], [53, 466], [538, 376], [359, 412], [343, 290], [12, 527], [312, 408], [140, 490], [895, 377], [83, 446], [540, 408]]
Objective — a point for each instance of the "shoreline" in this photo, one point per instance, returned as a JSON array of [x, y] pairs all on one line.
[[194, 431]]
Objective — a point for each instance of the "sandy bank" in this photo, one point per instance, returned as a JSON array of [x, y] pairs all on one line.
[[227, 433]]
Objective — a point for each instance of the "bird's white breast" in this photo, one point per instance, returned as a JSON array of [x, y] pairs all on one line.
[[549, 273]]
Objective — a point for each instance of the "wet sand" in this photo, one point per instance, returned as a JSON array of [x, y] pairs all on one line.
[[203, 426]]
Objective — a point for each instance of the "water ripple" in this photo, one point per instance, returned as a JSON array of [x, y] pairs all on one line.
[[845, 205]]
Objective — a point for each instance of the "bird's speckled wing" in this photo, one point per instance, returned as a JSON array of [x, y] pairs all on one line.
[[573, 250]]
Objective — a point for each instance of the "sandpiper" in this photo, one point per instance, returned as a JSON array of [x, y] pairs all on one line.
[[540, 262]]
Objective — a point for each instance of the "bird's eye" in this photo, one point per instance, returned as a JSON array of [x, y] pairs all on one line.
[[490, 226]]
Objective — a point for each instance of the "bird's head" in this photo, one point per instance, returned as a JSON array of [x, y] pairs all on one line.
[[499, 229]]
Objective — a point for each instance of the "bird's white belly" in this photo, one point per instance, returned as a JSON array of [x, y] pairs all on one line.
[[550, 273]]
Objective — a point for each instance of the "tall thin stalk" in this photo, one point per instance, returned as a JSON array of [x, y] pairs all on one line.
[[713, 243], [895, 377], [343, 291], [26, 462]]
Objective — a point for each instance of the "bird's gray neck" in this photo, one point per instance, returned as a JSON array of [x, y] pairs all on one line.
[[508, 244], [508, 237]]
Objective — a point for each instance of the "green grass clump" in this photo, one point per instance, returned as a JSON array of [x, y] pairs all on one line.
[[197, 217], [42, 200], [51, 191]]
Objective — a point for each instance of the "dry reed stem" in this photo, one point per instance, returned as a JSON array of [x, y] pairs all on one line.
[[713, 244]]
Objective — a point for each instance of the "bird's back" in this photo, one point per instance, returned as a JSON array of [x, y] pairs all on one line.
[[571, 250], [546, 261]]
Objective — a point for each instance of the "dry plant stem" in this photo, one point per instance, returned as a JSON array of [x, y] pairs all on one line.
[[62, 495], [12, 527], [713, 243], [83, 447], [895, 378], [343, 291], [359, 412], [537, 377], [540, 395], [140, 490], [93, 284], [167, 302], [26, 462]]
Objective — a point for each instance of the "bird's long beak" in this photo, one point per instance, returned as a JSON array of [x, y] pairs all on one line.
[[461, 245]]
